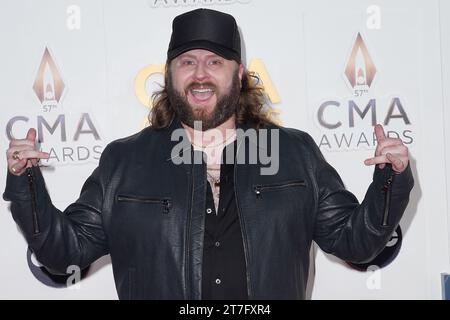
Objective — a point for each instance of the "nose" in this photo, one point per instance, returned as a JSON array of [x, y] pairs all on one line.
[[200, 72]]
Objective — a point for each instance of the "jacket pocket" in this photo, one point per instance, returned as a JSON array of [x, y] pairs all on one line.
[[165, 203], [259, 189]]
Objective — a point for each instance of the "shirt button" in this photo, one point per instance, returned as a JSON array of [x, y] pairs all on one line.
[[218, 281], [208, 211], [217, 244]]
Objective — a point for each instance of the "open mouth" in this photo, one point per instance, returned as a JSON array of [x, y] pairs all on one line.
[[201, 94]]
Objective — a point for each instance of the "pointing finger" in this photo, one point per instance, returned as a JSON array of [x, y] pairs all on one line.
[[20, 142], [33, 154], [376, 160]]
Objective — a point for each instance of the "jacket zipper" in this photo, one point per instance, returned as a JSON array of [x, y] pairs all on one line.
[[166, 203], [258, 189], [387, 196], [188, 233], [243, 233], [36, 229]]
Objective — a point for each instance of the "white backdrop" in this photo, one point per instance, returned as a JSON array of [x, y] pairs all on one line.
[[97, 49]]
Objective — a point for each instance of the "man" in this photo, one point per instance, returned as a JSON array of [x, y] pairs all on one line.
[[214, 228]]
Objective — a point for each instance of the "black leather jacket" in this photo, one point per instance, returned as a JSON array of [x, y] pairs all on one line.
[[148, 214]]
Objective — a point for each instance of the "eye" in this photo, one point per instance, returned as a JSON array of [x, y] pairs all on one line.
[[215, 62], [188, 62]]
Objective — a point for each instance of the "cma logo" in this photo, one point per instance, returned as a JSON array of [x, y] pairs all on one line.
[[395, 111], [347, 124], [256, 66]]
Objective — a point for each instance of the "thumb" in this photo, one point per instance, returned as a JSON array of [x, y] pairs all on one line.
[[31, 134]]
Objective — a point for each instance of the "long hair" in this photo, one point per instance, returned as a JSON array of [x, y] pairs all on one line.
[[250, 110]]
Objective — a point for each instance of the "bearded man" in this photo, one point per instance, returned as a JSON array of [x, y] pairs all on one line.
[[217, 228]]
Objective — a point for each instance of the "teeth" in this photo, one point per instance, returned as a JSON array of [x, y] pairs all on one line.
[[201, 90]]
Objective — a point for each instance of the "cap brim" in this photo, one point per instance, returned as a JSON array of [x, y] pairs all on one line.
[[206, 45]]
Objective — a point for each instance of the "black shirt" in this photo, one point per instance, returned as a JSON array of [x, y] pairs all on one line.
[[224, 270]]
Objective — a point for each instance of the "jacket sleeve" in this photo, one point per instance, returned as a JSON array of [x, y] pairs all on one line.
[[351, 231], [60, 239]]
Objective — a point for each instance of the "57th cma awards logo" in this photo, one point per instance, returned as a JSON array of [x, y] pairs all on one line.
[[349, 124], [70, 138]]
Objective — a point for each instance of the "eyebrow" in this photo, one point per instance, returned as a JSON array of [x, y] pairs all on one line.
[[209, 55]]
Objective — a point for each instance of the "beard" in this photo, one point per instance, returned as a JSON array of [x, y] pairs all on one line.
[[225, 107]]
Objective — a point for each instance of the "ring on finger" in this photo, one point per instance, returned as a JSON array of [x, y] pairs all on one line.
[[15, 155], [13, 169]]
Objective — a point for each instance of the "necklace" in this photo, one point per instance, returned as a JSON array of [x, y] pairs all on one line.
[[215, 145], [215, 180]]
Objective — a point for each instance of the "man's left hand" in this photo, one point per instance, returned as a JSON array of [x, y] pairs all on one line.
[[389, 150]]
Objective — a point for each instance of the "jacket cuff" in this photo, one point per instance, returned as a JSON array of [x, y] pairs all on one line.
[[403, 182], [17, 187]]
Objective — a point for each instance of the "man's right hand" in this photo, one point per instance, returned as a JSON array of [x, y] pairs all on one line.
[[22, 153]]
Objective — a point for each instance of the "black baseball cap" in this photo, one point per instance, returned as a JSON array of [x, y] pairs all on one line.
[[205, 29]]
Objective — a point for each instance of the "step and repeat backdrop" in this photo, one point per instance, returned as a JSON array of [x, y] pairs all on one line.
[[82, 73]]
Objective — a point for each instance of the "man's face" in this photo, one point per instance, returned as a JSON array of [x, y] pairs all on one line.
[[204, 86]]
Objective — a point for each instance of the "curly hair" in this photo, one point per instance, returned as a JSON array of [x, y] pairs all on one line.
[[250, 109]]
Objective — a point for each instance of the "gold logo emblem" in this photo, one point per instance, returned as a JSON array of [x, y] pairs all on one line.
[[48, 84], [360, 70]]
